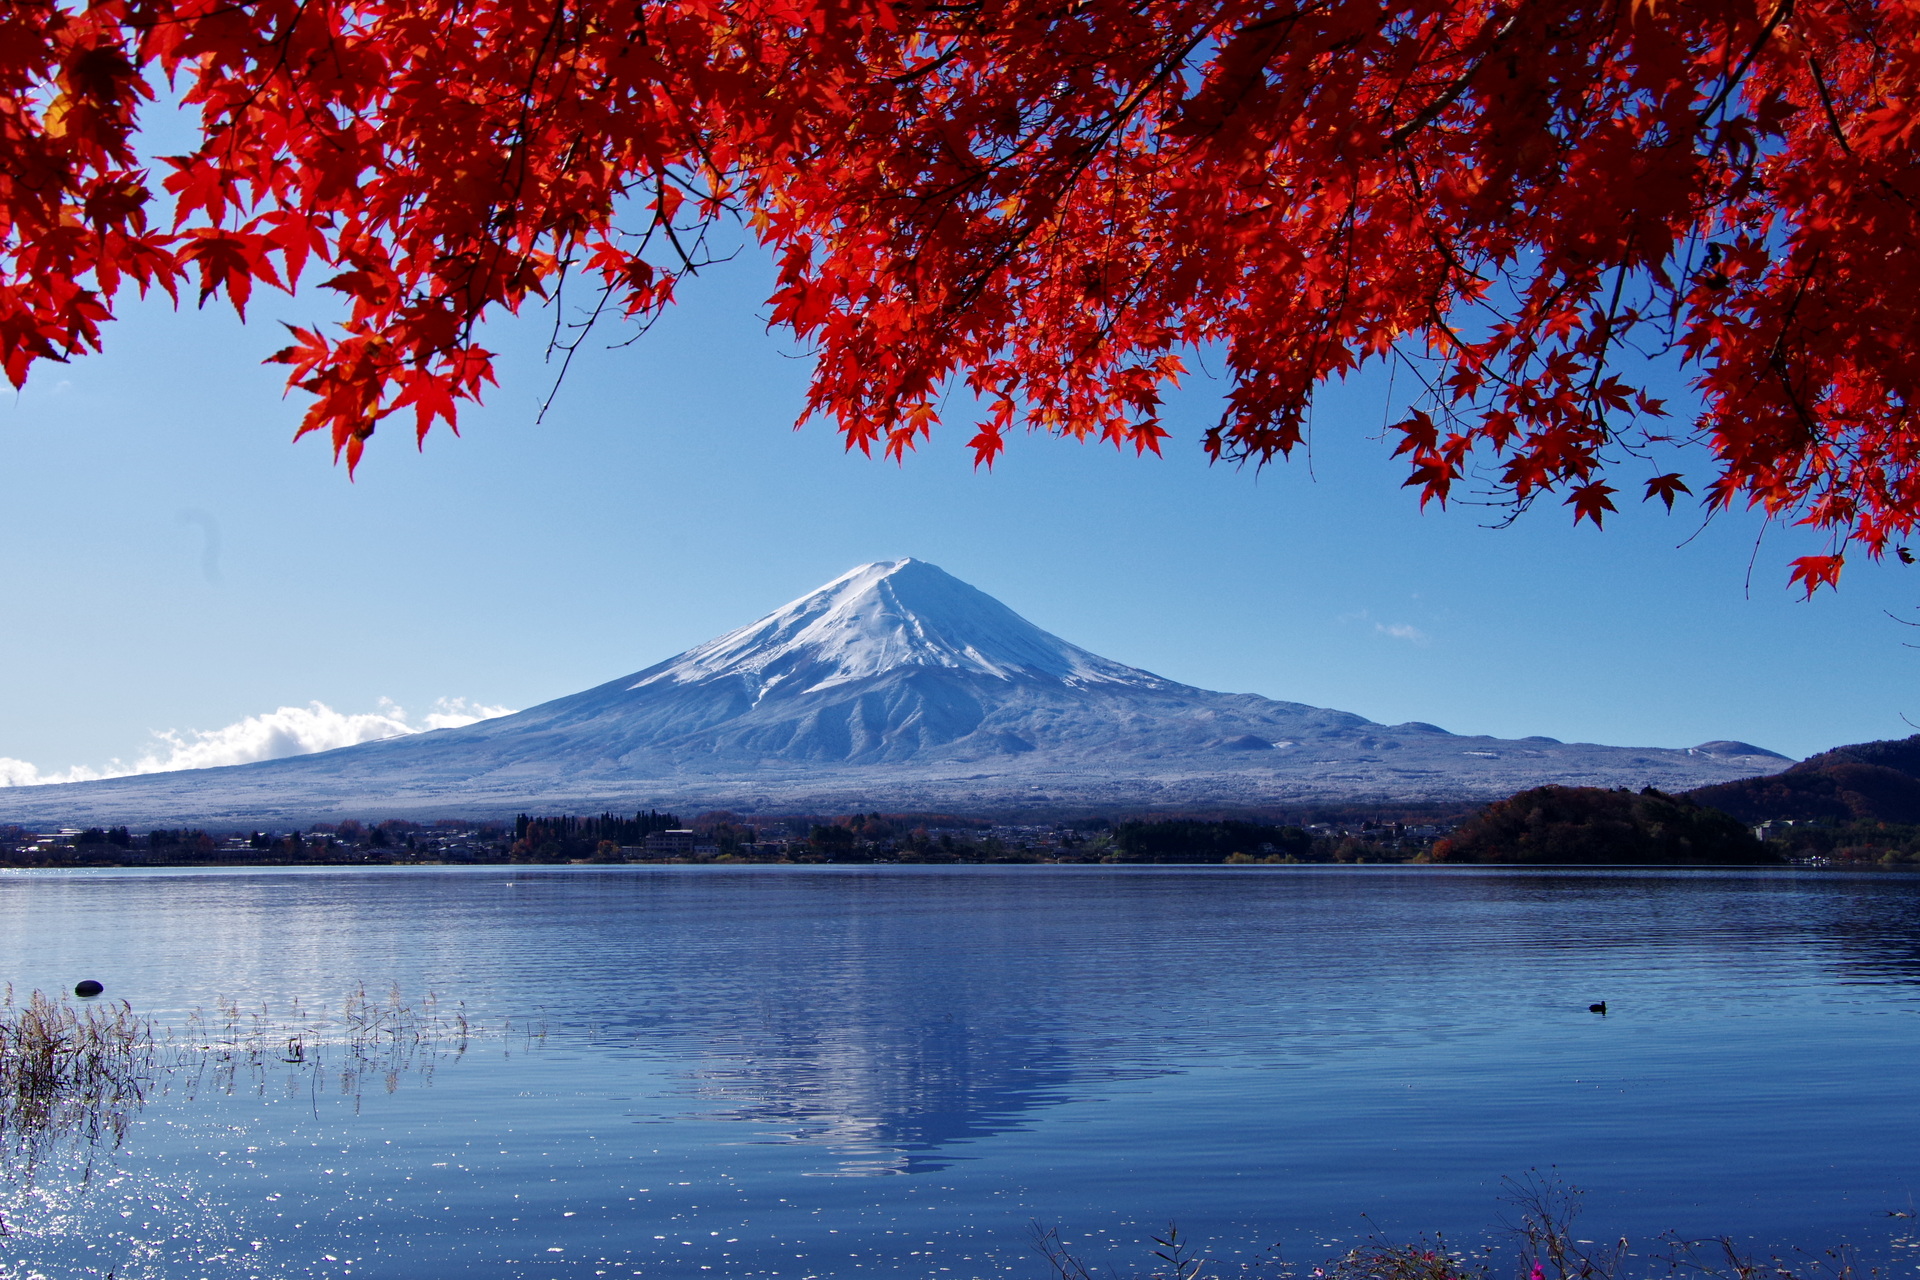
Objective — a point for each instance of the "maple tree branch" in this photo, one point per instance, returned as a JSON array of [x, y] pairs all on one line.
[[1826, 103], [1168, 61], [1777, 358], [1732, 82], [928, 67], [515, 173], [1438, 106], [1607, 326], [1840, 133]]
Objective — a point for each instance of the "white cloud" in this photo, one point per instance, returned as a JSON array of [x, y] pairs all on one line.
[[451, 713], [20, 773], [273, 735], [1398, 630]]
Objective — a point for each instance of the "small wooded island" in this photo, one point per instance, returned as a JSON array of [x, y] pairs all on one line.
[[1592, 825]]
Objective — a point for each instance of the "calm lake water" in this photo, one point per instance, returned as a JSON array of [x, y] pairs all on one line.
[[836, 1072]]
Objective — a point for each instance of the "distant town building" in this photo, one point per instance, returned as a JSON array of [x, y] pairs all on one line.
[[679, 843], [667, 844]]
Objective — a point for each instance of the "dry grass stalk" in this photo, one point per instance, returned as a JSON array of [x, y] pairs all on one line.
[[364, 1037], [50, 1050], [79, 1072], [1544, 1248], [1175, 1257], [67, 1072], [362, 1024]]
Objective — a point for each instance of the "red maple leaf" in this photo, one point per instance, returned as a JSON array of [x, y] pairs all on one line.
[[1048, 206]]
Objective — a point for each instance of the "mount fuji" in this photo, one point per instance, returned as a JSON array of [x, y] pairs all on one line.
[[895, 686]]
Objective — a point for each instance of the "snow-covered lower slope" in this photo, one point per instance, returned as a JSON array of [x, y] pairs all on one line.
[[896, 686]]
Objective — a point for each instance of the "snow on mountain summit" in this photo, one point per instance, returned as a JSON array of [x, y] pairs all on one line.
[[883, 617]]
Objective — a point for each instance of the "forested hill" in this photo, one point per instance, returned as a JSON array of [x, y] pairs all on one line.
[[1871, 781], [1597, 825]]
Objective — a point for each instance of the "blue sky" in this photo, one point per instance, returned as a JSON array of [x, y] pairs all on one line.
[[174, 563]]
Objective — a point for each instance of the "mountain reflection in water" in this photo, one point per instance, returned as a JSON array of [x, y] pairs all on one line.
[[886, 1098]]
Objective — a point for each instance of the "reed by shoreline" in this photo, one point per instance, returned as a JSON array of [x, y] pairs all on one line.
[[73, 1074], [1535, 1240]]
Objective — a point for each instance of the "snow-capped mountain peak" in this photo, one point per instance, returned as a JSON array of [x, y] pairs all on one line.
[[894, 685], [882, 617]]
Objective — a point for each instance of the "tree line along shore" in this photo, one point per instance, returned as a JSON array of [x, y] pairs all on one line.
[[1854, 806], [1546, 826]]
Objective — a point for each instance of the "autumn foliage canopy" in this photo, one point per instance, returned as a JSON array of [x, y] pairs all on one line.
[[1524, 207]]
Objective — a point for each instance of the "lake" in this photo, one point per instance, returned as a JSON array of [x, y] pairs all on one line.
[[898, 1071]]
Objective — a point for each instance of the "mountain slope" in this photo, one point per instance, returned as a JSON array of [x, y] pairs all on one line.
[[895, 685], [1867, 781]]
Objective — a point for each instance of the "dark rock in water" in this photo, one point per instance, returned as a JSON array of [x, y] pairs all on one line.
[[87, 989], [1597, 1008]]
